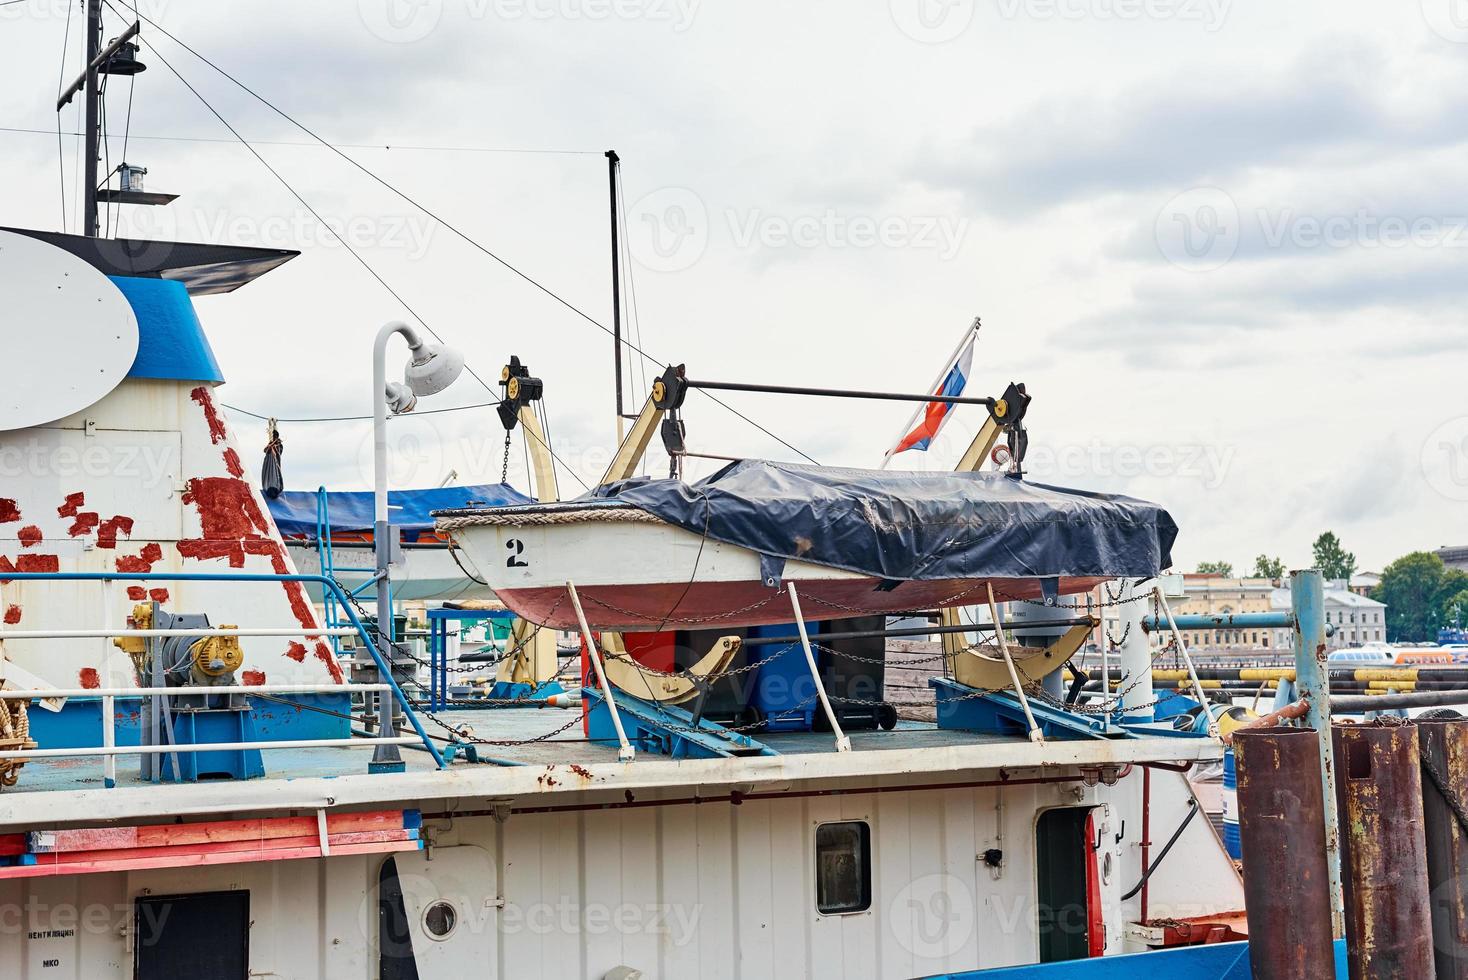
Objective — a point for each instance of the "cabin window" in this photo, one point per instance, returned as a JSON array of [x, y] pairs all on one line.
[[843, 867]]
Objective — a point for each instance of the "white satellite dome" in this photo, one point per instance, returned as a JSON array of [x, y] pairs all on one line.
[[70, 335]]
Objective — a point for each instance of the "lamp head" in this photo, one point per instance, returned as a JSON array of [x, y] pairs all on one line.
[[433, 368], [400, 398]]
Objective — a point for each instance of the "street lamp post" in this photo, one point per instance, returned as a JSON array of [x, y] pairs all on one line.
[[431, 369]]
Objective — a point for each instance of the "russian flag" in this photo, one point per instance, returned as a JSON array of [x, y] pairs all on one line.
[[937, 413]]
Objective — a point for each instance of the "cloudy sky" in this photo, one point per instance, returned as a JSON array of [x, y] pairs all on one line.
[[1222, 241]]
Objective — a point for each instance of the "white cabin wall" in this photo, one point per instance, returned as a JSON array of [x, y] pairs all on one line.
[[706, 890], [148, 439]]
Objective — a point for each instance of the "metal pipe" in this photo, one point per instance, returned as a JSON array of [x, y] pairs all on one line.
[[109, 741], [27, 694], [843, 742], [96, 61], [755, 641], [387, 758], [1206, 621], [1383, 852], [93, 107], [1312, 678], [890, 396], [1443, 745], [1353, 703], [1274, 719], [1187, 658], [302, 743], [85, 634], [612, 163], [1287, 887], [1019, 692], [1134, 660], [625, 752]]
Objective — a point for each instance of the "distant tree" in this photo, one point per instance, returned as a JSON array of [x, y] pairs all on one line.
[[1455, 609], [1221, 568], [1333, 561], [1270, 568], [1412, 588]]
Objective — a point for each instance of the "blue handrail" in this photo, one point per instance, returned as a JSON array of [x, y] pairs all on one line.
[[326, 584], [328, 563]]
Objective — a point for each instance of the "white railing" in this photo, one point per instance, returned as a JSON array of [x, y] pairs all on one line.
[[110, 750]]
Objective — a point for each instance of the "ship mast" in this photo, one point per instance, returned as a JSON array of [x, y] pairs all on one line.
[[119, 57]]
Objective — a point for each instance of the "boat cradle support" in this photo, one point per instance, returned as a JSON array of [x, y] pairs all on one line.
[[1000, 712], [667, 729]]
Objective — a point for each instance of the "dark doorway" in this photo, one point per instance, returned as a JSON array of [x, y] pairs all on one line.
[[201, 935], [1061, 856]]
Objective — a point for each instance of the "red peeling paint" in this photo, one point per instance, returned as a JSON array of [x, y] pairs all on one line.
[[158, 595], [296, 651], [12, 615], [137, 593], [143, 561], [234, 526], [324, 654], [211, 414], [232, 463], [37, 563], [85, 523], [9, 512], [74, 502], [88, 678], [29, 536], [252, 678], [109, 529]]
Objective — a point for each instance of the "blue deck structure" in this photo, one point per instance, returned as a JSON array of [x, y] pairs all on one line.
[[1219, 961]]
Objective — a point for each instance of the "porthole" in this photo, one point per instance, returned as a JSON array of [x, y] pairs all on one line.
[[439, 920]]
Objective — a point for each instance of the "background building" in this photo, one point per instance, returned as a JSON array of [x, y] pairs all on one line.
[[1357, 618]]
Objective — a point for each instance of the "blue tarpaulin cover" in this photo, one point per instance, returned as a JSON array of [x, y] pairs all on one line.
[[903, 525], [295, 510]]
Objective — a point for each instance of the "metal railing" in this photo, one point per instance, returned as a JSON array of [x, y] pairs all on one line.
[[329, 587], [110, 750]]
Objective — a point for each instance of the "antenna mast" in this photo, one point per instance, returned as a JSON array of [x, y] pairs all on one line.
[[613, 161]]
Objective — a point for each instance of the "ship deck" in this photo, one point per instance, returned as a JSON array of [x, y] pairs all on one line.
[[544, 761]]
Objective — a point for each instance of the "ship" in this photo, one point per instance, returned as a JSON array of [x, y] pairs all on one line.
[[217, 761]]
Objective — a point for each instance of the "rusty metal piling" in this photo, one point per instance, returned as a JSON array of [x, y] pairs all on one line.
[[1444, 749], [1383, 852], [1286, 871]]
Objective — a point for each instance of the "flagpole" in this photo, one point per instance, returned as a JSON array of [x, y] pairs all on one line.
[[973, 328]]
